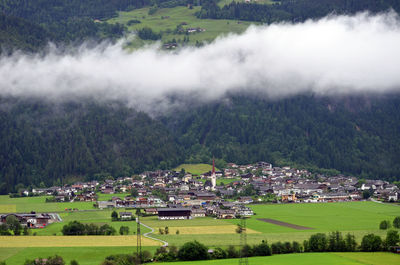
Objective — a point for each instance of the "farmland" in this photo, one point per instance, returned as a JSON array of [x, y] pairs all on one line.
[[311, 258], [38, 204], [195, 169], [358, 218], [167, 19]]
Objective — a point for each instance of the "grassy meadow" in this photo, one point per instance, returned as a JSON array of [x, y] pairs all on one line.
[[167, 19], [358, 218], [84, 255], [195, 169], [38, 204], [310, 258]]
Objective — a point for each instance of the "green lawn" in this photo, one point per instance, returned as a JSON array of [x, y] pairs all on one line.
[[310, 258], [167, 19], [84, 255], [196, 169], [38, 204], [107, 197]]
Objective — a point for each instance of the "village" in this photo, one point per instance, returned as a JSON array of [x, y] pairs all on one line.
[[171, 194]]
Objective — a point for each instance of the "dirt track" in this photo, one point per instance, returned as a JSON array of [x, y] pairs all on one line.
[[276, 222]]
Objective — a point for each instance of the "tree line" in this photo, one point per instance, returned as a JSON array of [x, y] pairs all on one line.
[[292, 10]]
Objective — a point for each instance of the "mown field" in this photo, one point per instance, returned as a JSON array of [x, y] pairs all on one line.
[[38, 204], [167, 19], [196, 169], [84, 255], [311, 258], [358, 218]]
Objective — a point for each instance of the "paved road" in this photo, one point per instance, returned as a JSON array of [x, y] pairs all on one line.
[[165, 243]]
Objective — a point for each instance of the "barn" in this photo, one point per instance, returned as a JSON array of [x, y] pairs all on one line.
[[174, 213]]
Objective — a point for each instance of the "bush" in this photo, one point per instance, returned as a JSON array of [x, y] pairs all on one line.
[[219, 253], [385, 224], [193, 251], [232, 252], [371, 243], [124, 230]]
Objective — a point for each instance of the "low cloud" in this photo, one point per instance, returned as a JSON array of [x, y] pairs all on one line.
[[336, 55]]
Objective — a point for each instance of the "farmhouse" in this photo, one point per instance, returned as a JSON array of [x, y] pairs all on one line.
[[125, 215], [31, 220], [174, 213]]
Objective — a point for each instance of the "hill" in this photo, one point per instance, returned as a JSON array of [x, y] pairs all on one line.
[[52, 143]]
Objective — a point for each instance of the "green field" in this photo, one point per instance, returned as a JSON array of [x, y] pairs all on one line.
[[84, 255], [311, 258], [358, 218], [107, 197], [167, 19], [38, 204], [222, 3], [196, 169]]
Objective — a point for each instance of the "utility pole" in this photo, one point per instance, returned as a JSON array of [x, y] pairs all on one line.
[[243, 241], [139, 238]]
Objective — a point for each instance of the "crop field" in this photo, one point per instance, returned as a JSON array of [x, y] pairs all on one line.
[[84, 255], [167, 19], [310, 258], [38, 204], [73, 241]]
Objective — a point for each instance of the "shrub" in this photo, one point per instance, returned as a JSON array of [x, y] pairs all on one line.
[[262, 250], [396, 222], [385, 224], [392, 238]]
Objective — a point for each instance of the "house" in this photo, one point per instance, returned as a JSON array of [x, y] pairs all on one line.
[[125, 215], [245, 199], [151, 211], [106, 204], [226, 214], [198, 213], [174, 213]]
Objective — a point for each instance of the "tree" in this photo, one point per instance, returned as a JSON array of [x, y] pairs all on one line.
[[26, 231], [74, 262], [396, 222], [232, 252], [371, 243], [262, 249], [124, 230], [73, 228], [351, 243], [166, 230], [385, 224], [219, 253], [318, 243], [193, 251], [114, 216], [13, 224], [392, 238]]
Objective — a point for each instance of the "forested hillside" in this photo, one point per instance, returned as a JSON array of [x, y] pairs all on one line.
[[358, 136], [51, 143], [292, 10]]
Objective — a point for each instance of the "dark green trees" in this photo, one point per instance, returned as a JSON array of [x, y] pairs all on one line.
[[193, 251]]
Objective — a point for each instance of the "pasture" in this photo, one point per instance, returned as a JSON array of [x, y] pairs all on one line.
[[358, 218], [84, 255], [195, 169], [310, 258], [167, 19], [38, 204]]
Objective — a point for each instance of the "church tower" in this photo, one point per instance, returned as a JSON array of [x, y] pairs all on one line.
[[213, 177]]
